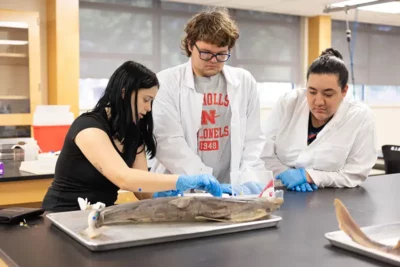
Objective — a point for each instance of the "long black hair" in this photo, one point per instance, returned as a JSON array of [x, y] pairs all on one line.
[[330, 62], [126, 80]]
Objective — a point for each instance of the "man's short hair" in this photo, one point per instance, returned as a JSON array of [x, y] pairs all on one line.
[[213, 26]]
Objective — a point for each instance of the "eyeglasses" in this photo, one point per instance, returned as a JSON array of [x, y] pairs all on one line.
[[207, 56]]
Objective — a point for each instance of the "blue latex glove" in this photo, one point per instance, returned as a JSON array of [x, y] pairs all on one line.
[[204, 182], [248, 188], [170, 193], [306, 187], [226, 189], [292, 177], [252, 188]]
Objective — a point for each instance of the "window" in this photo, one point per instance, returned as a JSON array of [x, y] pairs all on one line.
[[357, 94], [115, 32], [171, 34], [273, 54], [150, 32], [271, 92], [382, 95], [375, 48], [90, 91]]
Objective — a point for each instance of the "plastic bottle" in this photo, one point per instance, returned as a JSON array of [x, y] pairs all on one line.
[[31, 150]]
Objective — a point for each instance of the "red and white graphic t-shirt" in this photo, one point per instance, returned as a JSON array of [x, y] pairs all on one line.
[[214, 147]]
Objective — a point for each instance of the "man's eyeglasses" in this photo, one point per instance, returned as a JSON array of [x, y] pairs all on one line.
[[207, 56]]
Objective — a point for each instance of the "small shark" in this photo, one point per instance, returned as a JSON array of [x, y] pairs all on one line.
[[181, 209], [350, 227]]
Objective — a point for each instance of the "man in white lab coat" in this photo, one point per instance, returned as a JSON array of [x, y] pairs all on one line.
[[207, 114], [316, 137]]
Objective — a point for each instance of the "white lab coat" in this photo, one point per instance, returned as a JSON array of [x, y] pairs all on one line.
[[177, 111], [343, 153]]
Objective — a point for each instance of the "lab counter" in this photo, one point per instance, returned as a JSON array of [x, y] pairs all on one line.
[[12, 173], [22, 188], [19, 188], [298, 240]]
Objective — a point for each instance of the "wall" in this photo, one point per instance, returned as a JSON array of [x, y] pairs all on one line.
[[63, 53], [387, 124], [38, 6]]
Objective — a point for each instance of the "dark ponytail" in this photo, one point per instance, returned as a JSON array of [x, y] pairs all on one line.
[[330, 62]]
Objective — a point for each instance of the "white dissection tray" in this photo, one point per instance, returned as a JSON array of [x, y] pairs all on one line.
[[131, 235], [387, 234]]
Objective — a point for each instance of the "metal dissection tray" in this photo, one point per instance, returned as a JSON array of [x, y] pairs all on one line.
[[131, 235], [388, 234]]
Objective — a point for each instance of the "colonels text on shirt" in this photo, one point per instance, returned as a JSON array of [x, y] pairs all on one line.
[[212, 131]]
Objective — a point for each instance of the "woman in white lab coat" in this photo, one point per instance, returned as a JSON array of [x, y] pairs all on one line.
[[318, 138]]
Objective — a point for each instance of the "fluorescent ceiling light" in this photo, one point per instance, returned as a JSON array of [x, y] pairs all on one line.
[[12, 24], [13, 42], [351, 3], [391, 7], [388, 7]]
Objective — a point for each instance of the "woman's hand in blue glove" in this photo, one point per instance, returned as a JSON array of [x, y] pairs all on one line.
[[293, 177], [226, 189], [306, 187], [205, 182]]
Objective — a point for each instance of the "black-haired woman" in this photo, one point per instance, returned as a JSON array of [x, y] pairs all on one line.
[[316, 137], [105, 149]]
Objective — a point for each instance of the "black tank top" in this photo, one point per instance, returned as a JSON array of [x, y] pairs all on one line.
[[75, 176]]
